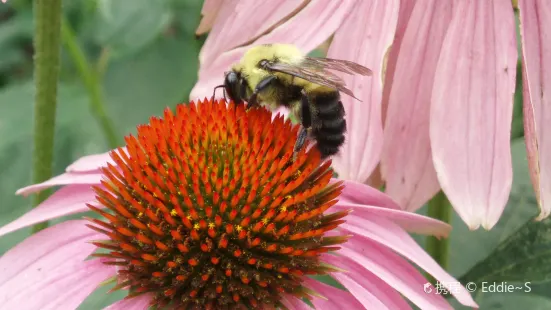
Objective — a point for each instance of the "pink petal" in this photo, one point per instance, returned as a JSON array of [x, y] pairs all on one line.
[[404, 13], [535, 30], [472, 105], [62, 179], [388, 234], [411, 222], [366, 43], [209, 12], [63, 242], [49, 267], [355, 192], [68, 200], [374, 293], [91, 163], [137, 303], [317, 21], [65, 290], [242, 21], [406, 162], [361, 256]]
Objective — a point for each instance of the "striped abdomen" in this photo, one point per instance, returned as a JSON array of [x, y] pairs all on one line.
[[328, 123]]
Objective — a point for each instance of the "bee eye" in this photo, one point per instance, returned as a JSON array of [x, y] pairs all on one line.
[[263, 63]]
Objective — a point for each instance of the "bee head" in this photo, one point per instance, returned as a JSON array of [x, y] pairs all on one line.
[[235, 86]]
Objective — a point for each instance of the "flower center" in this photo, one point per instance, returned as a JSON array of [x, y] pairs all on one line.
[[210, 208]]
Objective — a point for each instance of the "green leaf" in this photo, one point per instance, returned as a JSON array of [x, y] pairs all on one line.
[[20, 25], [517, 125], [128, 25], [510, 301], [524, 256], [12, 31], [101, 299], [144, 84], [542, 289], [187, 14], [10, 56]]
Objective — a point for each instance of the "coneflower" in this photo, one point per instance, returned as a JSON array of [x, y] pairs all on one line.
[[209, 208]]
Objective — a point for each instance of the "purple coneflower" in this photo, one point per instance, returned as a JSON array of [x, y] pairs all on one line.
[[208, 208]]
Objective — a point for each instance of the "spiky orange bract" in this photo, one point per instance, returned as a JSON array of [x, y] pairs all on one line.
[[211, 210]]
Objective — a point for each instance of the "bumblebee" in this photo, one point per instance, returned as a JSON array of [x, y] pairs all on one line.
[[280, 74]]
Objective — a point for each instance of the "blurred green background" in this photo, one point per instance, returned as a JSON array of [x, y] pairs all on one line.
[[141, 56]]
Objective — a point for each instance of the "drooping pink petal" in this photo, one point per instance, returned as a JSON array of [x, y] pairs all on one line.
[[535, 30], [62, 179], [360, 193], [136, 303], [404, 13], [389, 235], [65, 290], [365, 43], [51, 264], [472, 106], [242, 21], [369, 293], [209, 12], [91, 163], [360, 255], [65, 241], [317, 21], [411, 222], [406, 161], [406, 6], [68, 200]]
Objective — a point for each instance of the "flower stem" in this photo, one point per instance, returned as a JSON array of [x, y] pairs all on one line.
[[103, 59], [47, 15], [440, 209], [91, 80]]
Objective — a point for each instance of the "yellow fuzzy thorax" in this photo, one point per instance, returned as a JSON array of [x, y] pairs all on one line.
[[248, 65], [286, 53]]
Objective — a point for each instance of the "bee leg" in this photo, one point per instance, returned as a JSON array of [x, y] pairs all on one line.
[[252, 102], [301, 139], [262, 85], [306, 120]]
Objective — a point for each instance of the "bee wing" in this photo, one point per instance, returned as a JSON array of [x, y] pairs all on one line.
[[337, 65], [315, 71]]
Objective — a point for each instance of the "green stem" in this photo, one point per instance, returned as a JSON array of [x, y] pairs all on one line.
[[440, 209], [91, 81], [47, 15], [102, 61]]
